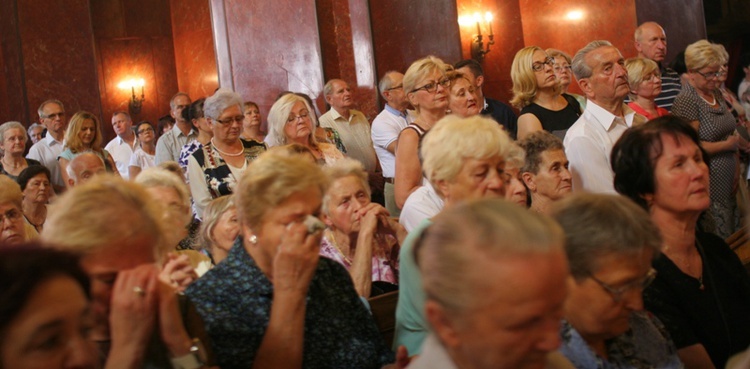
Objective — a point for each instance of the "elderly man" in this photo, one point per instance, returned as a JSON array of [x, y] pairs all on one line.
[[84, 167], [651, 43], [170, 144], [353, 128], [46, 151], [35, 131], [545, 171], [498, 111], [138, 320], [385, 129], [600, 73], [122, 147], [476, 322]]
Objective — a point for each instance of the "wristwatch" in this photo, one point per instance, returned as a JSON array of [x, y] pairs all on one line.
[[195, 359]]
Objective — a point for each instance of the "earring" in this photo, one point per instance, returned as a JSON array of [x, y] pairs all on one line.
[[253, 239]]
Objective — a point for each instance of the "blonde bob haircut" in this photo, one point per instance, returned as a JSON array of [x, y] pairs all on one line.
[[161, 177], [524, 77], [278, 116], [420, 70], [10, 192], [701, 54], [555, 53], [343, 168], [73, 142], [270, 180], [462, 236], [214, 210], [638, 69], [454, 139], [104, 211]]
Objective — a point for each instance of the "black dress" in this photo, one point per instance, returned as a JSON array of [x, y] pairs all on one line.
[[556, 122], [716, 316]]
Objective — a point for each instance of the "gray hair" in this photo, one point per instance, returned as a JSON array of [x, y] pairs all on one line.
[[221, 100], [516, 156], [340, 169], [328, 88], [71, 168], [534, 145], [160, 177], [126, 114], [279, 114], [597, 225], [386, 82], [34, 126], [214, 210], [40, 111], [494, 229], [580, 69], [8, 126], [172, 104]]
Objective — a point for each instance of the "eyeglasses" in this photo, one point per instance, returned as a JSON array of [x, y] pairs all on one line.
[[432, 86], [711, 75], [560, 68], [618, 293], [237, 119], [55, 115], [293, 118], [146, 130], [12, 215], [538, 66], [395, 87], [653, 77]]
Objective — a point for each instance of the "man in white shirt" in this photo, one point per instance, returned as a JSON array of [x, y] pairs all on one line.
[[600, 72], [46, 151], [353, 128], [122, 147], [170, 144], [386, 128]]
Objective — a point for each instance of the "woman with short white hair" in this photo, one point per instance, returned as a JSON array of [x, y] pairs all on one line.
[[12, 147], [644, 78]]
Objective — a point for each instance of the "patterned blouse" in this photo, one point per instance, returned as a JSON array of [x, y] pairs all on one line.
[[235, 299], [219, 177], [384, 260], [645, 346]]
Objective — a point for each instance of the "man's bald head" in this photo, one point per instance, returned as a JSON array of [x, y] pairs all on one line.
[[83, 167], [651, 41]]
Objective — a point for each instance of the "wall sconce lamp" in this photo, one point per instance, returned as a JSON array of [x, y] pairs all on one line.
[[136, 103], [478, 50]]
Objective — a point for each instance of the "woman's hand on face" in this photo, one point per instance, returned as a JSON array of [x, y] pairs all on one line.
[[178, 272], [296, 259], [133, 311]]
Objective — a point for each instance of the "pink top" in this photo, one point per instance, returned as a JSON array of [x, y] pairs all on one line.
[[384, 268], [638, 109]]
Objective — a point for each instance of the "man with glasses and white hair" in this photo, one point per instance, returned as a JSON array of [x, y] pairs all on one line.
[[46, 151]]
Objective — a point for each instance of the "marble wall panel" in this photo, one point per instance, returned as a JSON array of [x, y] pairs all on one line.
[[683, 21], [194, 55]]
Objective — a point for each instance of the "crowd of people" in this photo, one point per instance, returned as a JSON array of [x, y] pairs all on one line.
[[589, 231]]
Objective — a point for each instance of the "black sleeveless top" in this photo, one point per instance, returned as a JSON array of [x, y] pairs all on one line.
[[556, 122]]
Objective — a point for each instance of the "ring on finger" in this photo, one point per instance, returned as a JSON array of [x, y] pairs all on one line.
[[139, 291]]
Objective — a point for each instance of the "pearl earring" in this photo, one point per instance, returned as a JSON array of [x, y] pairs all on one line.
[[253, 239]]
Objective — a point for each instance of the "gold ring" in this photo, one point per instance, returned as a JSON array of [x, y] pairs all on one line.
[[138, 290]]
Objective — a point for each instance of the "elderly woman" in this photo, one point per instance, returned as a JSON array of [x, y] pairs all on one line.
[[14, 230], [251, 126], [701, 104], [516, 191], [143, 157], [194, 115], [220, 228], [360, 235], [35, 131], [462, 98], [12, 147], [291, 120], [733, 102], [138, 319], [213, 170], [564, 73], [478, 171], [83, 134], [702, 291], [37, 190], [538, 94], [426, 86], [274, 302], [644, 78], [44, 310], [610, 243]]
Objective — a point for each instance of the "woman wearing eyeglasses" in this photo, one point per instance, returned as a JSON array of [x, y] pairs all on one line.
[[143, 156], [705, 109], [610, 243], [214, 169], [291, 120], [702, 290], [538, 94], [644, 79], [426, 86]]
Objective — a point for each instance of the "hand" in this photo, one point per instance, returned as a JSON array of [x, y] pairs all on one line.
[[178, 272], [732, 142], [133, 313], [296, 259], [371, 217]]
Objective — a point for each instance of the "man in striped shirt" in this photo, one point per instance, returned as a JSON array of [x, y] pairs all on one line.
[[651, 43]]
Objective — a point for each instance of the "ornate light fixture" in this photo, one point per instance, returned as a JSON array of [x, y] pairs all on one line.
[[478, 48], [136, 103]]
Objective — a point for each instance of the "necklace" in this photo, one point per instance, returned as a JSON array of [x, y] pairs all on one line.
[[13, 166], [685, 261], [242, 151], [336, 246], [708, 102]]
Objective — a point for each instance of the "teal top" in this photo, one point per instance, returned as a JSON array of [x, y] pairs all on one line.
[[411, 326]]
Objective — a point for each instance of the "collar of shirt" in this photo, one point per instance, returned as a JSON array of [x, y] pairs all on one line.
[[395, 112], [485, 105], [336, 116], [607, 119], [176, 130], [51, 140], [120, 141]]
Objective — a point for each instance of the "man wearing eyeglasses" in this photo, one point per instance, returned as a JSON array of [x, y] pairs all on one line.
[[496, 110], [385, 129], [121, 147], [46, 151], [353, 128], [170, 144], [651, 43]]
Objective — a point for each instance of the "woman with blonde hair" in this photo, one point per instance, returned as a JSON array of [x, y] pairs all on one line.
[[644, 78], [84, 133], [13, 229], [426, 86], [538, 94], [462, 96], [220, 228]]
